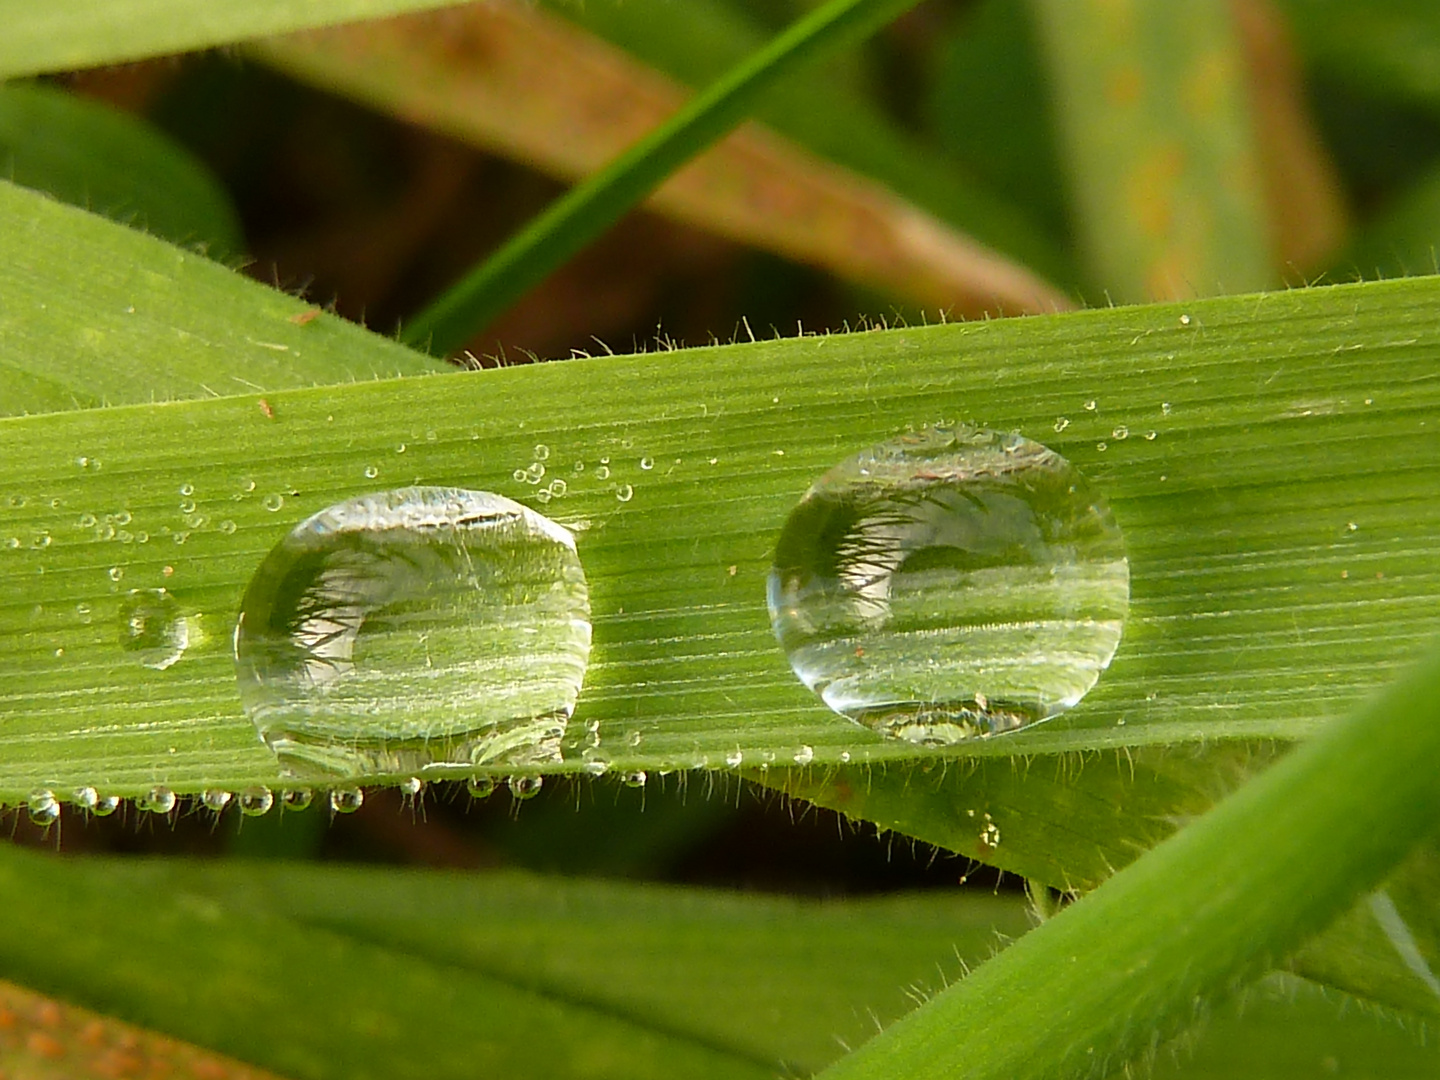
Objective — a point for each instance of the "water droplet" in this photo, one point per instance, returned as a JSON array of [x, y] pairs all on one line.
[[1151, 435], [1165, 408], [542, 452], [158, 800], [604, 461], [525, 787], [602, 472], [535, 473], [1102, 446], [480, 787], [412, 786], [1090, 405], [542, 496], [87, 521], [519, 476], [187, 506], [805, 755], [215, 799], [346, 800], [734, 758], [1061, 423], [400, 449], [227, 527], [413, 628], [256, 801], [1184, 320], [116, 573], [272, 502], [371, 472], [635, 778], [624, 492], [579, 466], [558, 488], [105, 806], [647, 463], [123, 518], [86, 798], [297, 799], [153, 628], [187, 489], [43, 807], [1121, 432], [40, 540], [13, 542], [951, 583], [596, 764]]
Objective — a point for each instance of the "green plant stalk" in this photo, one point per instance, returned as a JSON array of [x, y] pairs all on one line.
[[1139, 959], [589, 209]]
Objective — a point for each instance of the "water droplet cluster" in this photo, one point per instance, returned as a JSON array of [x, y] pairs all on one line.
[[952, 583]]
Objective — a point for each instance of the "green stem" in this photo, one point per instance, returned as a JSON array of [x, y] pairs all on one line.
[[1201, 915], [589, 209]]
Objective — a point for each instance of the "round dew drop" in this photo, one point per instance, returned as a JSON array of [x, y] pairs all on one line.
[[950, 584], [153, 628], [346, 800], [415, 630], [297, 799], [158, 800], [256, 801], [480, 787], [43, 807], [525, 787]]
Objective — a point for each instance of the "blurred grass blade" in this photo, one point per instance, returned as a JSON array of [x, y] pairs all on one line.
[[588, 210], [43, 1039], [102, 159], [1158, 139], [326, 972], [1195, 919], [1287, 500], [107, 316], [508, 76], [832, 115], [62, 35]]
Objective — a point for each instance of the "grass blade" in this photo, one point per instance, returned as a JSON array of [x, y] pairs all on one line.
[[67, 34], [1099, 985], [586, 211], [563, 100]]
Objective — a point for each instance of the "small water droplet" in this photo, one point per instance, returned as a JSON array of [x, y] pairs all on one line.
[[105, 806], [1184, 320], [248, 486], [1061, 423], [1121, 432], [542, 452], [542, 496], [297, 798], [187, 489], [371, 472], [158, 800], [1165, 408], [272, 502], [187, 506], [635, 778], [116, 573], [535, 473], [579, 466], [39, 540], [227, 527], [412, 786], [1090, 405], [400, 449], [734, 759], [949, 584], [1102, 446], [87, 521], [256, 801], [83, 462], [416, 627], [215, 799], [13, 542], [602, 472], [1151, 435], [86, 798], [43, 807], [480, 787], [633, 738], [605, 461], [346, 800], [153, 627], [805, 755], [624, 492], [558, 488], [525, 787], [519, 476], [647, 463]]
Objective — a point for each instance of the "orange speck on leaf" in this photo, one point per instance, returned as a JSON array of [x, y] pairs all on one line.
[[306, 317]]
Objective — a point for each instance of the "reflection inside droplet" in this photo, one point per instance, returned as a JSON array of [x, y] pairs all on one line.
[[950, 584], [415, 630]]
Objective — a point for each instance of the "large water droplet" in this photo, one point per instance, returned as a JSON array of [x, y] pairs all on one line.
[[43, 807], [414, 629], [949, 584], [153, 628]]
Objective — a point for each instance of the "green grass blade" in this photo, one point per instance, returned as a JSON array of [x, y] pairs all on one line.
[[590, 208], [1291, 417], [1157, 140], [93, 314], [1194, 919], [62, 35], [358, 972], [696, 42], [102, 159]]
